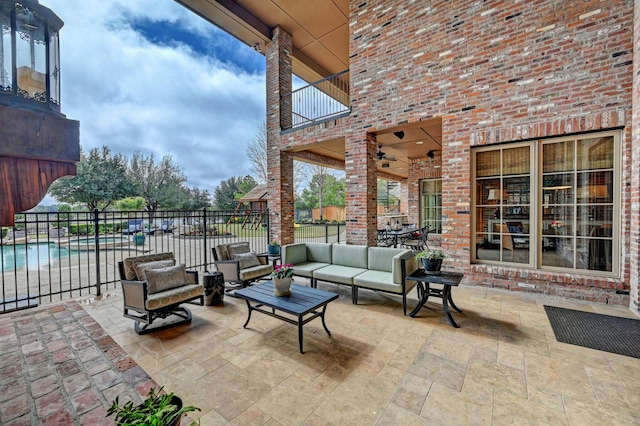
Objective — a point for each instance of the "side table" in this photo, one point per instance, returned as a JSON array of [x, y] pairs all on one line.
[[274, 259], [446, 279], [213, 283]]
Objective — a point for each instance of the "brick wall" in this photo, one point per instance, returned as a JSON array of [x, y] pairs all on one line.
[[493, 71], [634, 187]]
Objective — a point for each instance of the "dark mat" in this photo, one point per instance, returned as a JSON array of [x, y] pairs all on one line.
[[603, 332]]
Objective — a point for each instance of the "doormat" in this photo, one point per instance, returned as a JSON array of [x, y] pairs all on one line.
[[603, 332]]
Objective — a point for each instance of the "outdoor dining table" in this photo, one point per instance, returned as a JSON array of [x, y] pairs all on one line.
[[396, 233]]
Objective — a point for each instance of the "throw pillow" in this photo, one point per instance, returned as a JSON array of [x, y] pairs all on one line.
[[142, 268], [166, 278], [247, 260], [237, 248], [222, 252]]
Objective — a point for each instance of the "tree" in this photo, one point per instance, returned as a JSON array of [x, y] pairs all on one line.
[[325, 185], [130, 204], [227, 194], [101, 179], [195, 198], [324, 189], [257, 154], [160, 184]]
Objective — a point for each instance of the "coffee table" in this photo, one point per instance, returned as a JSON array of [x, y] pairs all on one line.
[[304, 304]]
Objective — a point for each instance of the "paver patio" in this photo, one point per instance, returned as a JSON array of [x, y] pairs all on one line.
[[502, 366]]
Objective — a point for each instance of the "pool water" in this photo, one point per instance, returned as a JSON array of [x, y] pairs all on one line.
[[32, 256]]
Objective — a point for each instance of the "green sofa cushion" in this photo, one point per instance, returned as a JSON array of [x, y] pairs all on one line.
[[294, 254], [349, 255], [377, 280], [382, 258], [306, 269], [337, 274], [319, 252]]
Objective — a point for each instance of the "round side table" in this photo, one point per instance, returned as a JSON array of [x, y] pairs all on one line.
[[213, 287]]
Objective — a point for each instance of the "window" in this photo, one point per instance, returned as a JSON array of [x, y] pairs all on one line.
[[548, 204], [431, 205]]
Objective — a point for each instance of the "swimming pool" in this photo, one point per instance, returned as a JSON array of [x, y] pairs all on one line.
[[104, 243], [31, 256]]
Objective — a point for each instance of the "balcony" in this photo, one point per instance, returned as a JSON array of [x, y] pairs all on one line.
[[326, 99]]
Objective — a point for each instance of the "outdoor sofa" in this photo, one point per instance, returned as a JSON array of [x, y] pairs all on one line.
[[376, 268]]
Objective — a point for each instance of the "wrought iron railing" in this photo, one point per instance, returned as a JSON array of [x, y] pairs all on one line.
[[325, 99], [48, 257], [320, 232]]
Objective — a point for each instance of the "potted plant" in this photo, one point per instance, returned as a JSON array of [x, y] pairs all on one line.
[[282, 276], [138, 238], [431, 259], [158, 409], [274, 248]]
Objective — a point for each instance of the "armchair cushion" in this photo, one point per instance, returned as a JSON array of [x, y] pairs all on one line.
[[142, 268], [175, 295], [128, 264], [247, 260], [238, 248], [255, 272], [166, 278]]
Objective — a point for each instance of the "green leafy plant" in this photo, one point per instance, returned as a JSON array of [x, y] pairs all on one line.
[[431, 254], [157, 410], [283, 271], [275, 243]]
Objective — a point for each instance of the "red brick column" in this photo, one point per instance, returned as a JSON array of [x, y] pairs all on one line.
[[280, 171], [634, 189], [362, 190]]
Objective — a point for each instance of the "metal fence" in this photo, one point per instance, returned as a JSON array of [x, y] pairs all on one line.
[[48, 257], [320, 232]]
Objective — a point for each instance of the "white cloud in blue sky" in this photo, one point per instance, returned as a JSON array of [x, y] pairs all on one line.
[[151, 76]]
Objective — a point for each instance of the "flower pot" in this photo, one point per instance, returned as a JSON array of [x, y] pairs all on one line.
[[282, 286], [138, 240], [175, 400], [432, 264], [273, 250]]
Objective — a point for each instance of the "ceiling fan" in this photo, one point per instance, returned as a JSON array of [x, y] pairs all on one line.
[[383, 156]]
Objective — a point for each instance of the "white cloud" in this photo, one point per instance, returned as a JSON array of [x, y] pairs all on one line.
[[133, 95]]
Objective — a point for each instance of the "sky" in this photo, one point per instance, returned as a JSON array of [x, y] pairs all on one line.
[[153, 77]]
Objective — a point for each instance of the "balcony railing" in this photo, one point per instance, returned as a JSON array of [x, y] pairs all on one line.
[[325, 99]]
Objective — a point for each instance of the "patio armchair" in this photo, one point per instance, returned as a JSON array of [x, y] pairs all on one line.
[[239, 265], [154, 287], [417, 243]]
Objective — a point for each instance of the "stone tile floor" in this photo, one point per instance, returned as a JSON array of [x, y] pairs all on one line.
[[502, 366]]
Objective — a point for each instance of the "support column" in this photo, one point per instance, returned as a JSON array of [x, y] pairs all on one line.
[[280, 164], [634, 189], [362, 191], [412, 185]]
